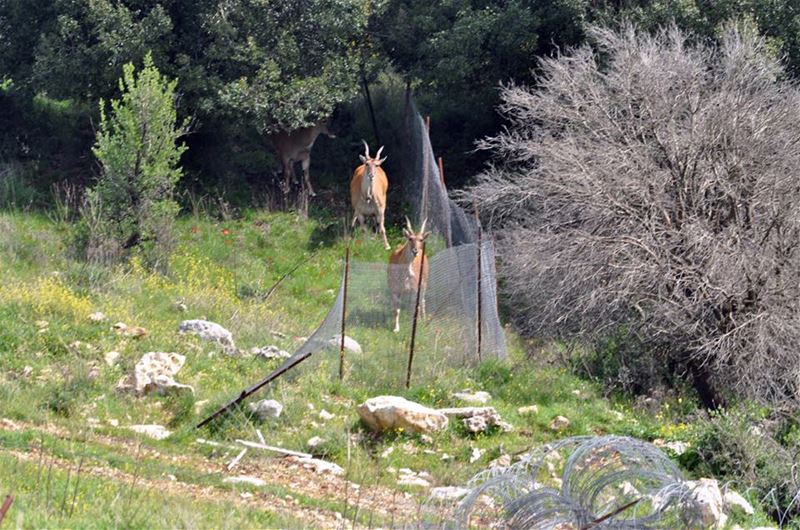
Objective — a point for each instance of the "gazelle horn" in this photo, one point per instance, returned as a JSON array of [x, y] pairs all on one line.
[[408, 225], [378, 155], [366, 147], [422, 228]]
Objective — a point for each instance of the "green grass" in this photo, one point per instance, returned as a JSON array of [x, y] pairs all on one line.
[[52, 372]]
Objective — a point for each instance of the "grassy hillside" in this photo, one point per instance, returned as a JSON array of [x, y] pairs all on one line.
[[67, 455]]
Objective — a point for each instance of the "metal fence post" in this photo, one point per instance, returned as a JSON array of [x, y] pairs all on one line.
[[416, 316]]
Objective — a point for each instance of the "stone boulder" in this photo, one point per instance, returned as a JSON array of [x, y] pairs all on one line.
[[385, 413], [349, 343], [157, 432], [154, 373], [708, 497], [448, 494], [210, 331], [269, 352], [477, 419], [318, 466], [266, 409], [480, 397]]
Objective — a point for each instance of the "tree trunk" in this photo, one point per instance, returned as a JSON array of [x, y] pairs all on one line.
[[701, 380]]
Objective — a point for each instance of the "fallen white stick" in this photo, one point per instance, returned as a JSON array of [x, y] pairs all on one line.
[[261, 437], [236, 460], [266, 447]]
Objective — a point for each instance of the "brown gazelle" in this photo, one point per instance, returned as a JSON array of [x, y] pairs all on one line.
[[295, 146], [368, 188], [406, 264]]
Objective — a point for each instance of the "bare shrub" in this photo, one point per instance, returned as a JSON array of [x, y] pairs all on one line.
[[651, 186]]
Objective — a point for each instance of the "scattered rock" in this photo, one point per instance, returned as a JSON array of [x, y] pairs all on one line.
[[157, 432], [111, 358], [384, 413], [266, 408], [479, 397], [27, 371], [448, 494], [154, 373], [269, 352], [180, 306], [477, 419], [734, 500], [324, 415], [113, 422], [501, 462], [677, 447], [244, 479], [319, 466], [129, 331], [314, 442], [210, 331], [386, 452], [475, 455], [349, 343], [559, 423], [42, 324], [199, 405], [93, 374], [97, 316], [708, 496], [530, 409], [426, 439], [410, 478]]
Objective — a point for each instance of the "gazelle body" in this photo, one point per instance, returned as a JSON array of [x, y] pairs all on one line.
[[295, 146], [408, 270], [368, 188]]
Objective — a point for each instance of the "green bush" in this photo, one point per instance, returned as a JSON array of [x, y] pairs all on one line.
[[741, 447], [132, 206]]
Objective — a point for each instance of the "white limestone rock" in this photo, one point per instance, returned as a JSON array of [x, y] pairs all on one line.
[[210, 331], [385, 413]]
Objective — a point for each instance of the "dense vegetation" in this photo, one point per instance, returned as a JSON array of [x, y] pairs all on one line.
[[643, 192]]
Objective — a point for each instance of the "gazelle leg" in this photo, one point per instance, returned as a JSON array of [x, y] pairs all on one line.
[[287, 176], [306, 164], [383, 231], [397, 320]]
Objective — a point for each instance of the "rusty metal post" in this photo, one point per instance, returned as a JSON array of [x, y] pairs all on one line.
[[428, 123], [5, 507], [416, 316], [441, 170], [344, 308], [479, 323]]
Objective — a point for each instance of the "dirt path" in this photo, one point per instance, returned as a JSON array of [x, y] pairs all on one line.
[[384, 503]]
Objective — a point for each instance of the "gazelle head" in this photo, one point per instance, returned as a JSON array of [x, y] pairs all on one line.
[[371, 163], [415, 240], [324, 127]]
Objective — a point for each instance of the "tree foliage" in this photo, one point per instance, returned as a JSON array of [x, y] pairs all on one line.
[[651, 186], [132, 204], [285, 65]]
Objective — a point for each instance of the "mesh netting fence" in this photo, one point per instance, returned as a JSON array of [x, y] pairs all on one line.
[[458, 322]]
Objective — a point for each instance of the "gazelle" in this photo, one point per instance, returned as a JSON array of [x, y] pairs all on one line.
[[406, 264], [295, 146], [368, 188]]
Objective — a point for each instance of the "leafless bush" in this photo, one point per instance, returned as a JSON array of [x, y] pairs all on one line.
[[652, 186]]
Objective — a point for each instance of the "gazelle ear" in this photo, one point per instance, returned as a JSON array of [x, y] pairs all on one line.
[[363, 158], [381, 161], [425, 235], [406, 233]]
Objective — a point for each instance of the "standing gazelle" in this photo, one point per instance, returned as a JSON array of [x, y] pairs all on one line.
[[406, 264], [368, 191]]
